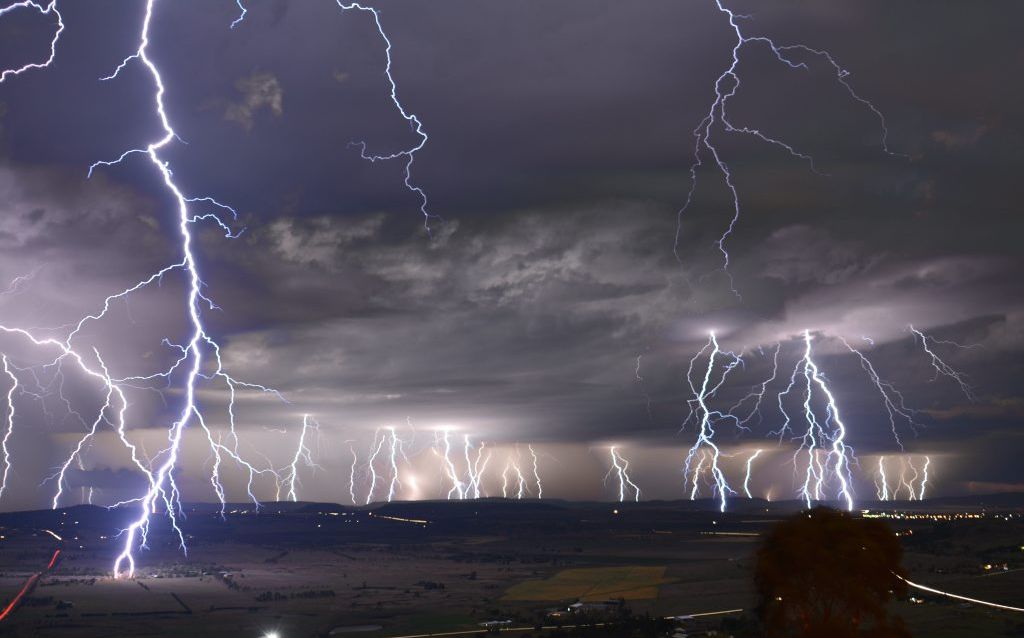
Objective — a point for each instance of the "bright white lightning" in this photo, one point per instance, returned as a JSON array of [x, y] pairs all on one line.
[[521, 490], [162, 486], [882, 482], [620, 466], [904, 483], [414, 122], [352, 473], [476, 465], [9, 424], [396, 451], [746, 477], [536, 472], [303, 454], [695, 478], [825, 435], [757, 393], [47, 9], [941, 367], [458, 489], [924, 478], [725, 87], [707, 417], [376, 447]]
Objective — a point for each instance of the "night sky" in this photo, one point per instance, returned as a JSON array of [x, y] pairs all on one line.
[[560, 143]]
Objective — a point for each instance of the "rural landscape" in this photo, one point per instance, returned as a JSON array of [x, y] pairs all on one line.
[[307, 569]]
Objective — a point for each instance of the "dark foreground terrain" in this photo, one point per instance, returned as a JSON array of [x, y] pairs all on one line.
[[400, 569]]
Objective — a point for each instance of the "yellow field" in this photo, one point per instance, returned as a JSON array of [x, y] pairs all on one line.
[[595, 583]]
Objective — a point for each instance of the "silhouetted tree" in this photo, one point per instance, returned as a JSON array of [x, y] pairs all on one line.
[[826, 574]]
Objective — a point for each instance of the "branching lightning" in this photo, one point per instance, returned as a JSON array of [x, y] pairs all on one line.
[[707, 418], [825, 434], [303, 454], [48, 9], [198, 357], [725, 87], [892, 399], [941, 367], [620, 467], [536, 471]]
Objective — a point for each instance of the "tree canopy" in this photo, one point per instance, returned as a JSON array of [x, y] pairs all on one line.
[[824, 573]]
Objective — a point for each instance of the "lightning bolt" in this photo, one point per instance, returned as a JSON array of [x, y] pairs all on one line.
[[48, 9], [302, 454], [825, 435], [924, 479], [475, 466], [909, 485], [458, 489], [9, 426], [352, 473], [892, 399], [536, 471], [377, 446], [757, 394], [408, 154], [717, 118], [940, 366], [396, 451], [746, 478], [882, 483], [620, 466], [198, 356], [706, 416]]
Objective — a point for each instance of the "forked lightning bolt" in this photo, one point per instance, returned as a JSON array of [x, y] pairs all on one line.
[[620, 467], [823, 442], [198, 357], [718, 119], [703, 388]]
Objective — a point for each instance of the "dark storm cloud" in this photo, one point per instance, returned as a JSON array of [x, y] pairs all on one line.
[[560, 140]]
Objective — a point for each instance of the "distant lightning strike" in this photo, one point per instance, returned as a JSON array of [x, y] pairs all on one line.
[[924, 479], [376, 447], [892, 399], [746, 477], [912, 479], [9, 424], [476, 465], [536, 471], [458, 488], [882, 481], [707, 417], [941, 367], [396, 451], [825, 434], [717, 118], [303, 454], [352, 474], [620, 467]]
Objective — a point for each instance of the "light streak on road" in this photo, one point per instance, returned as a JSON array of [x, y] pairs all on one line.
[[947, 594]]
